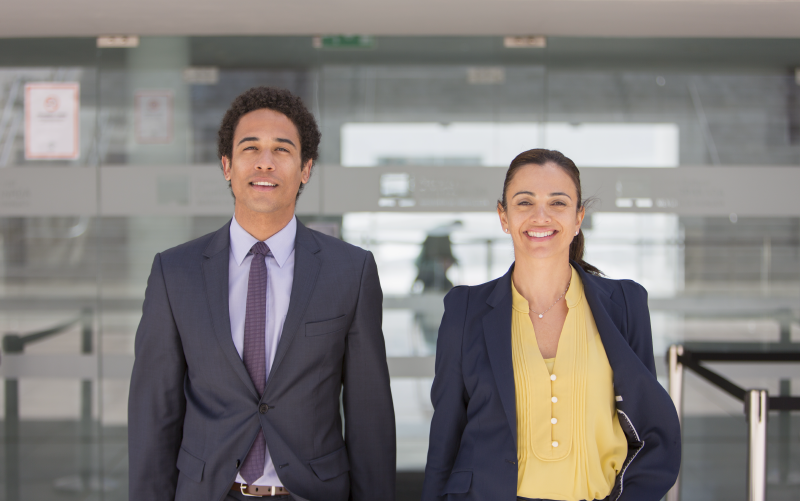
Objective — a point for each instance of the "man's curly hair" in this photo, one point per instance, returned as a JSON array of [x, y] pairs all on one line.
[[280, 100]]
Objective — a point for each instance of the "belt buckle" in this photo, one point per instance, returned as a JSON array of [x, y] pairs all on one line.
[[242, 487]]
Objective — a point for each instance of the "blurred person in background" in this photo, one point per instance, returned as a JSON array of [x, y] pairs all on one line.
[[250, 335], [433, 263], [545, 385]]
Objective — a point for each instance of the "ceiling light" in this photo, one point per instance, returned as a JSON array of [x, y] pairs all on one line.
[[529, 42]]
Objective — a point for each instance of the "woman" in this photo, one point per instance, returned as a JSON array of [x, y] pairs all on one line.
[[545, 382]]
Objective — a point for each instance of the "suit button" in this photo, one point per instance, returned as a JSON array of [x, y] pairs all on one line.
[[263, 408]]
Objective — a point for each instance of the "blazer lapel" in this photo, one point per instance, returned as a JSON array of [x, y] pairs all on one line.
[[306, 270], [497, 334], [215, 275], [608, 316]]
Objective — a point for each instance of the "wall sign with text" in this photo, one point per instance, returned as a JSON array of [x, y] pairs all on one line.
[[153, 116], [52, 127]]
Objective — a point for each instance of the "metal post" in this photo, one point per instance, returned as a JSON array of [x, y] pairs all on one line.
[[784, 433], [87, 340], [12, 440], [85, 426], [676, 392], [676, 378], [756, 406], [785, 317]]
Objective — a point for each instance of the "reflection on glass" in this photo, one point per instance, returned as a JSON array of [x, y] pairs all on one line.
[[494, 144], [426, 101]]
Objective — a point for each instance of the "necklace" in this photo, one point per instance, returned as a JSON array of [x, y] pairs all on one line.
[[557, 300]]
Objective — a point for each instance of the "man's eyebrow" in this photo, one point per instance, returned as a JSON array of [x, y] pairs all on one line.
[[283, 140], [277, 139], [247, 139]]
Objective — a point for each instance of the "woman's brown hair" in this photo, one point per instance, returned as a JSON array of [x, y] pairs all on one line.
[[541, 156]]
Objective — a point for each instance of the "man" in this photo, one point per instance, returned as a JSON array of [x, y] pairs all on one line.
[[250, 334]]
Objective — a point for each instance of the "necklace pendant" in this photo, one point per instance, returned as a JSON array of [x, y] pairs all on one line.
[[541, 315]]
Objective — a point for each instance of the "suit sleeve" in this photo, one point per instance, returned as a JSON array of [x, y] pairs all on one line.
[[367, 396], [156, 403], [640, 335], [655, 468], [448, 396]]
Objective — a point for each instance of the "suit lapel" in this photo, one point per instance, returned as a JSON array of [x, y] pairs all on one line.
[[306, 270], [215, 275], [497, 334]]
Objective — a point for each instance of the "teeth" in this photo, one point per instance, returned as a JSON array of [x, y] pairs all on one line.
[[540, 234], [263, 183]]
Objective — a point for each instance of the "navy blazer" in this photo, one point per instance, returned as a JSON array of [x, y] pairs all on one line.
[[473, 443]]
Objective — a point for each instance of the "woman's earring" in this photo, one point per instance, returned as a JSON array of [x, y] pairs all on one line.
[[576, 233], [506, 230]]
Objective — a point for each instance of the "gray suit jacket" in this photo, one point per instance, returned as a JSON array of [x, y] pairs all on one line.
[[193, 412]]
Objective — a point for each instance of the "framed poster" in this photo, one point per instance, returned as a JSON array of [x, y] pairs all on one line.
[[153, 116], [52, 126]]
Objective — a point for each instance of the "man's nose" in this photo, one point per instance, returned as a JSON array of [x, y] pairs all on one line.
[[265, 161]]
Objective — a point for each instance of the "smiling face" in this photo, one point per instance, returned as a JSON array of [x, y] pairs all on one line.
[[542, 214], [266, 169]]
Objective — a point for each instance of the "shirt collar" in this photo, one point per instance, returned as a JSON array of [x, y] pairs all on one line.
[[518, 302], [575, 291], [281, 244]]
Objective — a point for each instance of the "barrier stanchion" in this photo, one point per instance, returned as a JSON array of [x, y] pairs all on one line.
[[757, 406], [676, 392], [12, 439], [15, 344], [757, 402]]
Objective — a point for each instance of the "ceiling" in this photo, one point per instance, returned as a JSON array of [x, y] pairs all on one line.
[[588, 18]]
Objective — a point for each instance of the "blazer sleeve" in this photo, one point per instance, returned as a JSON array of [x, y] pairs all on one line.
[[367, 396], [156, 402], [448, 396], [639, 335], [655, 468]]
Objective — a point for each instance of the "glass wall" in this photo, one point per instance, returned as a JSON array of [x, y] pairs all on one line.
[[689, 150]]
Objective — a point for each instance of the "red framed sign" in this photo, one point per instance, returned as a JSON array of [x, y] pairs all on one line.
[[52, 121]]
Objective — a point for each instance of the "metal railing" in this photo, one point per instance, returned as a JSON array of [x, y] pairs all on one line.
[[757, 402], [14, 344]]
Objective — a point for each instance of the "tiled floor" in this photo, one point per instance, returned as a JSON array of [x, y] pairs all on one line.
[[51, 455]]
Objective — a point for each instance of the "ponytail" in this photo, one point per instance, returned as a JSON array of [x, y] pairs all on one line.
[[576, 254]]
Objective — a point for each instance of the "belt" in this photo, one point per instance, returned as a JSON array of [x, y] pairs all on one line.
[[260, 491]]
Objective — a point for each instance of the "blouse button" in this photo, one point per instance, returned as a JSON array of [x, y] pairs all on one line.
[[552, 377], [555, 444], [554, 420], [554, 399]]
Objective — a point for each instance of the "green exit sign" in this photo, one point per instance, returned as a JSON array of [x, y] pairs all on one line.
[[344, 42]]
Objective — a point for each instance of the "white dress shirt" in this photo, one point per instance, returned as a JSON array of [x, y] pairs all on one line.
[[280, 275]]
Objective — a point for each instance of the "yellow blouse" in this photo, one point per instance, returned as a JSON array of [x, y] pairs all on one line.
[[569, 441]]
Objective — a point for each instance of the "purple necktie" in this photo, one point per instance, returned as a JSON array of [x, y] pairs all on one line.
[[254, 354]]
